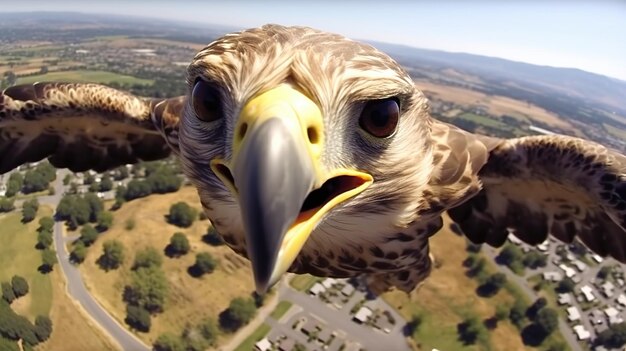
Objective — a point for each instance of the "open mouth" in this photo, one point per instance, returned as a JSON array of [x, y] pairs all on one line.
[[330, 190]]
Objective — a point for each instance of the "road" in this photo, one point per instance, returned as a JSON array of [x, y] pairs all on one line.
[[521, 282], [76, 288]]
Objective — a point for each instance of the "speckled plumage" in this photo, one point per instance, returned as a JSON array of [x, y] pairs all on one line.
[[535, 185]]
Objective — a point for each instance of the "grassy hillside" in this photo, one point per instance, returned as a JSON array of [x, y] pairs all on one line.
[[85, 76]]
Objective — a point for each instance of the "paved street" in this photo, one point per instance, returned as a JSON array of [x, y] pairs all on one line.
[[76, 288]]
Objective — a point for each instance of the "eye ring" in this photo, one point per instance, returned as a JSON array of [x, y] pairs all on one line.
[[379, 118], [206, 102]]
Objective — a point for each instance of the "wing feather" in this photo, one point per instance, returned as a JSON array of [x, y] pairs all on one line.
[[84, 126], [549, 185]]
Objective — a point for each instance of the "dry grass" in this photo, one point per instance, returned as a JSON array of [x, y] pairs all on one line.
[[190, 299], [73, 329], [448, 296], [496, 105]]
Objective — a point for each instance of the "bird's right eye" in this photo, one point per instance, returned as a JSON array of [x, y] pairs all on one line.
[[206, 101]]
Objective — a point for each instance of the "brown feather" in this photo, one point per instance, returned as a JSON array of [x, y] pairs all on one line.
[[83, 126]]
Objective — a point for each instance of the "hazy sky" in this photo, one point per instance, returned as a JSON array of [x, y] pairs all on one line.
[[589, 35]]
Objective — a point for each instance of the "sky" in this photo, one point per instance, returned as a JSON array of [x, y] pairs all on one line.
[[589, 35]]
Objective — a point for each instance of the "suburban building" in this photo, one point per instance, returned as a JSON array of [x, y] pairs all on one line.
[[581, 332], [362, 315], [317, 289], [587, 291], [565, 299], [573, 314], [263, 345]]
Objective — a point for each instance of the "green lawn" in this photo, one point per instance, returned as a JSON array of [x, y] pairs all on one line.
[[19, 256], [257, 335], [303, 282], [85, 76], [281, 309]]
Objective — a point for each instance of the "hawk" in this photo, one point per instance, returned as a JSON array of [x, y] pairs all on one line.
[[313, 153]]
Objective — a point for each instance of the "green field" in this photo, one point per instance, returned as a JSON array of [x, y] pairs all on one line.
[[19, 256], [281, 309], [303, 282], [257, 335], [85, 77], [484, 120]]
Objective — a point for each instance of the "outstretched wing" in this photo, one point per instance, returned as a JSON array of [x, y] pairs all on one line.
[[84, 126], [558, 185]]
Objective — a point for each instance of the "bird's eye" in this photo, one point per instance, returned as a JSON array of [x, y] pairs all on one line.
[[380, 117], [206, 101]]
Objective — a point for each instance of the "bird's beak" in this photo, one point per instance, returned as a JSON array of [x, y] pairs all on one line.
[[275, 173]]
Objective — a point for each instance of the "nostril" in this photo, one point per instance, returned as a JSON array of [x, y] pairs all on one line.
[[313, 135], [242, 131]]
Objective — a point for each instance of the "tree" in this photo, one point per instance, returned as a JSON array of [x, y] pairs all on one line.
[[136, 189], [534, 309], [208, 329], [212, 237], [168, 342], [182, 215], [106, 183], [20, 286], [492, 285], [14, 184], [48, 260], [29, 210], [511, 255], [614, 337], [112, 255], [148, 289], [44, 239], [6, 204], [7, 292], [121, 173], [67, 179], [566, 285], [95, 206], [518, 313], [205, 263], [78, 253], [104, 220], [147, 257], [413, 325], [535, 259], [88, 235], [239, 313], [46, 223], [604, 272], [472, 331], [138, 318], [548, 320], [43, 328], [178, 246]]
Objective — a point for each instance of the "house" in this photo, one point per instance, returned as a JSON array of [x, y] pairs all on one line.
[[608, 289], [515, 240], [613, 315], [263, 345], [287, 345], [587, 291], [544, 246], [317, 289], [597, 258], [552, 276], [565, 299], [362, 315], [580, 265], [569, 271], [347, 290], [329, 282], [573, 314], [352, 346], [621, 299], [581, 332]]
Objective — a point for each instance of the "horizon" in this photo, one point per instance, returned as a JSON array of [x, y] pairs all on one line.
[[556, 37]]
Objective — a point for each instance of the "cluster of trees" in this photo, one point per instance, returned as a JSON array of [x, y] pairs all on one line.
[[39, 178], [472, 331], [614, 337], [239, 313], [182, 215], [113, 255], [15, 327], [512, 256], [78, 210], [29, 210], [44, 240], [178, 246], [14, 184], [147, 291], [16, 288], [160, 178], [193, 338], [7, 204], [205, 263]]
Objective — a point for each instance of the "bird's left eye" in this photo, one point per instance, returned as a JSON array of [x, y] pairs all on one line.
[[380, 117], [206, 101]]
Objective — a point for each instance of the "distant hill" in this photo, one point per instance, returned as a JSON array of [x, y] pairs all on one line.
[[602, 92]]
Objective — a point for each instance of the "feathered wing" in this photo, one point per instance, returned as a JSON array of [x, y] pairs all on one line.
[[84, 126], [540, 185]]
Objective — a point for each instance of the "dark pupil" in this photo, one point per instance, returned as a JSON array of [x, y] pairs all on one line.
[[210, 104], [380, 115]]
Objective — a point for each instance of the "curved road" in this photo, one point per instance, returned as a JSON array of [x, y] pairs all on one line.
[[76, 288]]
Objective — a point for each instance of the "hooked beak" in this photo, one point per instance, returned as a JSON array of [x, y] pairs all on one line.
[[275, 173]]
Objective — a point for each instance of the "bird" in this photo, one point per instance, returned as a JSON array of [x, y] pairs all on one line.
[[315, 153]]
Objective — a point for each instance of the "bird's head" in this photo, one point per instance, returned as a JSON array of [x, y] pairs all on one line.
[[295, 136]]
